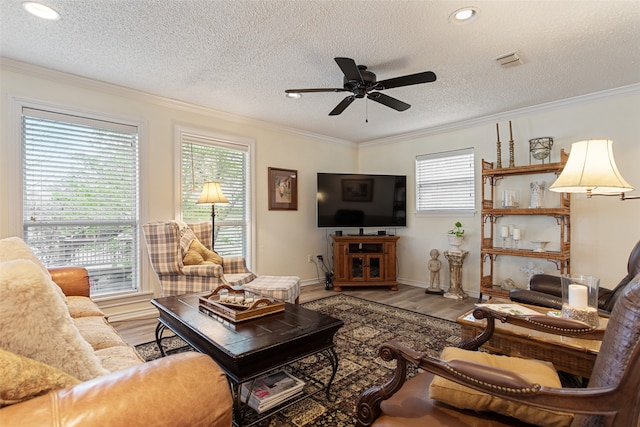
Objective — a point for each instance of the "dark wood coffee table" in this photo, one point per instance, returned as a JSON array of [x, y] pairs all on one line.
[[249, 349]]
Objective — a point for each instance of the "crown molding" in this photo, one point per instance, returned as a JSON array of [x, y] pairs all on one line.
[[13, 65], [633, 89], [111, 89]]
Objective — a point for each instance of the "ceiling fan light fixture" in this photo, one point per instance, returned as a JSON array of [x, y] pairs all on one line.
[[40, 10], [293, 95], [362, 83], [464, 15]]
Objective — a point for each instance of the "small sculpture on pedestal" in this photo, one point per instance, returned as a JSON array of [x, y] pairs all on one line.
[[434, 266]]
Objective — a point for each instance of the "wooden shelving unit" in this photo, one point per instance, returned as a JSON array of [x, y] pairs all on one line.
[[489, 253]]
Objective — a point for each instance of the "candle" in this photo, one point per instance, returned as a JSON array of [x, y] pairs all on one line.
[[498, 131], [511, 228], [516, 234], [504, 231], [578, 296], [510, 131]]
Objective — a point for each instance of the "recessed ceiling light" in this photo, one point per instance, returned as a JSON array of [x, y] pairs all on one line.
[[293, 95], [41, 11], [464, 15]]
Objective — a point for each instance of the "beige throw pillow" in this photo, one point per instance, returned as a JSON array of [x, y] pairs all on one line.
[[24, 378], [199, 254], [36, 323], [463, 397]]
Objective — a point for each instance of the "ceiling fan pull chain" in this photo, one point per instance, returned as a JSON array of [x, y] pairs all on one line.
[[366, 110]]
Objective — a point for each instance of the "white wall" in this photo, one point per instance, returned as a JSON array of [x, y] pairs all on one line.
[[603, 229], [283, 238]]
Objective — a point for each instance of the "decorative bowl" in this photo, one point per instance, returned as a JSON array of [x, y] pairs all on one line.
[[540, 245]]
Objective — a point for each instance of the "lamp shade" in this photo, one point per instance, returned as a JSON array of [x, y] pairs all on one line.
[[212, 193], [592, 169]]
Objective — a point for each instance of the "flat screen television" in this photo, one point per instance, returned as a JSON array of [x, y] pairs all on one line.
[[358, 200]]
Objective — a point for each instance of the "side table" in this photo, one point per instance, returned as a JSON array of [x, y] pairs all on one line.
[[455, 259]]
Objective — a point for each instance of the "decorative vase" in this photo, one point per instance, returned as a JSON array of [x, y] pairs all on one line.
[[455, 242]]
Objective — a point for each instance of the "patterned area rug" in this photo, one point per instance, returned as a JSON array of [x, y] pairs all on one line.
[[366, 325]]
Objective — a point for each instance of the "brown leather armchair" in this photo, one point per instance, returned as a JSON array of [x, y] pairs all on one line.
[[546, 290], [612, 397]]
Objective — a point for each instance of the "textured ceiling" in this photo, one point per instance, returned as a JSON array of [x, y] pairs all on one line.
[[240, 56]]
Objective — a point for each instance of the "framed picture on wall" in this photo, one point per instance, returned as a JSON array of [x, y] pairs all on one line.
[[283, 189]]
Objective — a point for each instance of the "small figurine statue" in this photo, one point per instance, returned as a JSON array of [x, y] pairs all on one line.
[[537, 193], [434, 268]]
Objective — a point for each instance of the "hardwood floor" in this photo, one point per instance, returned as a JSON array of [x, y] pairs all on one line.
[[408, 297]]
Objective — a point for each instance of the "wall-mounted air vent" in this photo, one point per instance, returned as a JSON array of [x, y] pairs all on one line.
[[509, 60]]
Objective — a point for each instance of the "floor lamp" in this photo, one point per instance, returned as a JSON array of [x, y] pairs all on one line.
[[591, 169], [212, 193]]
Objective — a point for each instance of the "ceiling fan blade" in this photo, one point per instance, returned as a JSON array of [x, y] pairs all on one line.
[[411, 79], [389, 101], [334, 89], [349, 68], [342, 106]]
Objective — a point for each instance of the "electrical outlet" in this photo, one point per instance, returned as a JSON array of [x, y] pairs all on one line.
[[309, 258]]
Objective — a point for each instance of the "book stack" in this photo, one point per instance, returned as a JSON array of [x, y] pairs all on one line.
[[270, 390]]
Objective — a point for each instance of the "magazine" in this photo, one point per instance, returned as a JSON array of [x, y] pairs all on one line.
[[271, 390], [511, 309]]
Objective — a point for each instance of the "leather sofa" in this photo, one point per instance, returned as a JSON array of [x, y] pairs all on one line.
[[187, 389], [546, 290]]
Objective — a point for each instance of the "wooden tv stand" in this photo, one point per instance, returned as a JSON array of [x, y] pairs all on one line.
[[364, 260]]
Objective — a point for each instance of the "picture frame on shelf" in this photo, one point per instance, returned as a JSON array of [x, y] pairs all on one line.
[[283, 189]]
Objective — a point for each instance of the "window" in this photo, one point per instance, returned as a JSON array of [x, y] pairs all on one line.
[[205, 159], [444, 182], [80, 196]]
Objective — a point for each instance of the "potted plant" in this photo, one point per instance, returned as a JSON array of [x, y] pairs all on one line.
[[456, 234]]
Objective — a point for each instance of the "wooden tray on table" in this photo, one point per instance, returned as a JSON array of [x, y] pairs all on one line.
[[238, 305]]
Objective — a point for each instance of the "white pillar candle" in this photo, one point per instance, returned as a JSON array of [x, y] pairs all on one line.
[[578, 296], [504, 231], [516, 234], [511, 228]]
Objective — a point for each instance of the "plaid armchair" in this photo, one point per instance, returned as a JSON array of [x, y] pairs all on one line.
[[166, 243]]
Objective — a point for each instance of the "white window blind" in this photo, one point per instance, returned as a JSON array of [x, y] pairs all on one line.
[[445, 182], [203, 160], [80, 196]]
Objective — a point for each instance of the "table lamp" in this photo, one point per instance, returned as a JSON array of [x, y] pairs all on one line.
[[212, 193]]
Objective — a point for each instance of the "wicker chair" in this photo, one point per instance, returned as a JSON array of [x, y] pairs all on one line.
[[166, 253], [612, 397]]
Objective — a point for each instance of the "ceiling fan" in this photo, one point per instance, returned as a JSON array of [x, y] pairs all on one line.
[[361, 83]]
